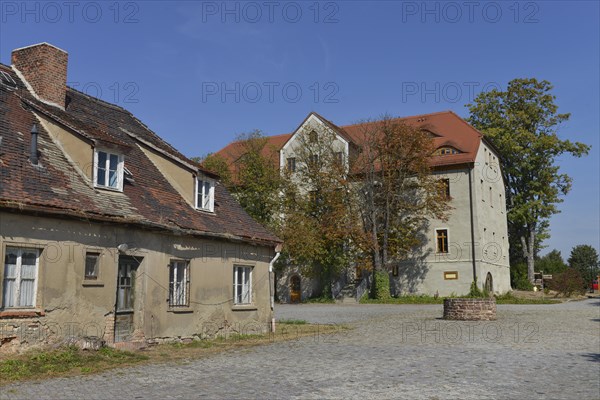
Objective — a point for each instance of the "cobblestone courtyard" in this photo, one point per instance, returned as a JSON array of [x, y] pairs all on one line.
[[531, 352]]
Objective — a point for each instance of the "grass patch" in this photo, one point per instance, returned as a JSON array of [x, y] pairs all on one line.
[[413, 299], [507, 298], [63, 361], [71, 361], [292, 322]]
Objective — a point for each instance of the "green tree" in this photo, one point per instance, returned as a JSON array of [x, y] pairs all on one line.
[[255, 181], [258, 181], [551, 263], [584, 259], [522, 123], [217, 164]]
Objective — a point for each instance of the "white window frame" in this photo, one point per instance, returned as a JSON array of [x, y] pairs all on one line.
[[120, 170], [95, 277], [179, 295], [18, 278], [242, 292], [200, 184]]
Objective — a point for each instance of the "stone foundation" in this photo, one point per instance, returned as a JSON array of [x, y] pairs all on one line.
[[470, 309]]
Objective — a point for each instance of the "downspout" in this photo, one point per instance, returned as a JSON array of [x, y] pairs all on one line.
[[271, 297], [472, 226]]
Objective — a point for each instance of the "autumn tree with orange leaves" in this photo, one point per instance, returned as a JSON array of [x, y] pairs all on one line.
[[397, 194]]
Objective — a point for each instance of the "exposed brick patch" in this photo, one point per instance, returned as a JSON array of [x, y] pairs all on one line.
[[109, 328], [21, 314], [470, 309]]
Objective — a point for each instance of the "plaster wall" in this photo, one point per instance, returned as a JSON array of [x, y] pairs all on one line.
[[78, 150], [64, 298]]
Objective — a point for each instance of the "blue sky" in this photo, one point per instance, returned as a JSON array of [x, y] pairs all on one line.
[[199, 73]]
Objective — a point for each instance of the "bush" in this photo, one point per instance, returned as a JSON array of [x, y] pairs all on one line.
[[381, 291], [523, 283], [568, 283], [475, 292], [518, 277]]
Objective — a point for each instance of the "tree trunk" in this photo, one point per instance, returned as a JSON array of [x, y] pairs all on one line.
[[386, 234], [530, 256], [528, 245], [374, 245]]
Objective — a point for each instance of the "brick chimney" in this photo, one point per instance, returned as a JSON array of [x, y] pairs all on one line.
[[44, 67]]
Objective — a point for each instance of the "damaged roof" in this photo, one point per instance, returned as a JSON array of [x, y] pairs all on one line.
[[57, 186]]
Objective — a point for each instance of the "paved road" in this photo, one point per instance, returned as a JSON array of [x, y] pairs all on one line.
[[531, 352]]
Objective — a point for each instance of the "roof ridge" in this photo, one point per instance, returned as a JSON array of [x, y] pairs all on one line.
[[404, 117], [106, 103]]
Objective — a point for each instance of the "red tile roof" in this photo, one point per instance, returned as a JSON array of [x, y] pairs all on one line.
[[447, 128], [57, 187]]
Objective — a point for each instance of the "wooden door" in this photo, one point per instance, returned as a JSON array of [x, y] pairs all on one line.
[[125, 298], [295, 289], [489, 284]]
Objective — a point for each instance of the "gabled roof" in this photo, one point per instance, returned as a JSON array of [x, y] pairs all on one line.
[[327, 123], [58, 187], [446, 127]]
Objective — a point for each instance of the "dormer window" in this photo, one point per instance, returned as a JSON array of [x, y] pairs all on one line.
[[446, 150], [108, 170], [205, 194]]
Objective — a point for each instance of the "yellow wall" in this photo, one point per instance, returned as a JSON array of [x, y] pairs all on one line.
[[64, 296]]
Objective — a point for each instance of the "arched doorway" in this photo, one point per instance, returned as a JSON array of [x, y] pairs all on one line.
[[295, 289], [489, 283]]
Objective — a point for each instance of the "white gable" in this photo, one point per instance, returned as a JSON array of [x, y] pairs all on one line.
[[312, 122]]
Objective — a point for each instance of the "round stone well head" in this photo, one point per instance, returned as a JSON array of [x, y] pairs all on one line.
[[470, 309]]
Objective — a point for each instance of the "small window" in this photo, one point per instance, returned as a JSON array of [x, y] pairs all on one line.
[[314, 159], [242, 284], [91, 266], [339, 158], [179, 283], [442, 240], [446, 150], [20, 277], [482, 195], [291, 164], [313, 137], [445, 188], [108, 170], [205, 194]]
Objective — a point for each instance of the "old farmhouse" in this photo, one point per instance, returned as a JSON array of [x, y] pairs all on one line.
[[108, 233], [471, 244]]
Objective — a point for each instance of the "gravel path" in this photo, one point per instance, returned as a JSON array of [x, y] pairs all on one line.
[[531, 352]]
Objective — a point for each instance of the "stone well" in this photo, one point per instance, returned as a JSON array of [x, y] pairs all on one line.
[[470, 309]]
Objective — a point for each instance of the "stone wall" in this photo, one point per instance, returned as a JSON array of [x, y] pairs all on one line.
[[470, 309]]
